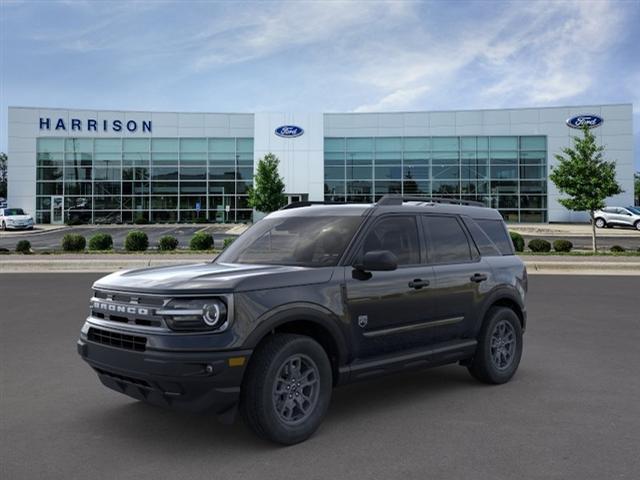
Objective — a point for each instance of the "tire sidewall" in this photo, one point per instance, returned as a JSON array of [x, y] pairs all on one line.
[[280, 431], [637, 225], [600, 223], [494, 374]]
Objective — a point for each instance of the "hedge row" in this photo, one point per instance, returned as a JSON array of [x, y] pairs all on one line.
[[135, 241]]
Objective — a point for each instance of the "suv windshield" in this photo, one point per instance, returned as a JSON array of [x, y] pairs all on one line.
[[13, 211], [317, 241], [635, 210]]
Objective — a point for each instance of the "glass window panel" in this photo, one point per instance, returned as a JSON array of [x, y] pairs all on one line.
[[141, 173], [474, 171], [387, 172], [533, 187], [43, 203], [77, 203], [127, 173], [165, 145], [222, 145], [507, 201], [359, 144], [533, 216], [107, 203], [190, 145], [191, 202], [482, 143], [244, 145], [135, 188], [50, 145], [468, 143], [106, 188], [445, 187], [216, 159], [80, 159], [445, 171], [159, 188], [77, 173], [245, 173], [416, 158], [359, 198], [498, 187], [334, 173], [469, 187], [50, 159], [507, 172], [136, 159], [388, 158], [164, 159], [241, 187], [244, 159], [417, 144], [537, 171], [49, 188], [533, 143], [412, 187], [167, 202], [388, 144], [413, 172], [334, 158], [193, 158], [509, 215], [135, 203], [359, 187], [334, 144], [77, 188], [536, 158], [242, 202], [533, 201], [504, 143], [446, 144], [222, 188], [388, 187], [362, 158], [448, 242], [108, 145], [135, 145], [193, 173], [444, 158], [167, 216], [468, 158], [193, 187], [78, 145], [166, 173], [106, 173], [504, 158], [332, 188]]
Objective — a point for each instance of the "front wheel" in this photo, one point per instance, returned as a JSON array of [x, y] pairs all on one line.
[[600, 223], [4, 226], [287, 389], [499, 347], [637, 225]]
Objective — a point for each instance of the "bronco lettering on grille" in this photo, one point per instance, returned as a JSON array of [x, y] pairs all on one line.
[[113, 307]]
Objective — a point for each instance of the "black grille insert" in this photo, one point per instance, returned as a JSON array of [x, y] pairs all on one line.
[[118, 340]]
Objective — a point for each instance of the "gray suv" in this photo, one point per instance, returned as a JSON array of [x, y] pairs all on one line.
[[309, 298], [618, 216]]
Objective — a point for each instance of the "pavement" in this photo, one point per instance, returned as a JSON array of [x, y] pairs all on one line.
[[571, 411]]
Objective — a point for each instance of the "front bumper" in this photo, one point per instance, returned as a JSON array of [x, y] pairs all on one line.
[[192, 381]]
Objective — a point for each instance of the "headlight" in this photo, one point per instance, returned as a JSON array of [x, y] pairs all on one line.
[[195, 315]]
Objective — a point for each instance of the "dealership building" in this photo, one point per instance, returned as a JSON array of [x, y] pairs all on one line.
[[106, 166]]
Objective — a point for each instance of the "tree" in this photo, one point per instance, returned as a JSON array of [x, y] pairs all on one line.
[[585, 177], [267, 193], [3, 174], [636, 187]]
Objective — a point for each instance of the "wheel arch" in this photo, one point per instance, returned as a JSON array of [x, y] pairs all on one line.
[[509, 300]]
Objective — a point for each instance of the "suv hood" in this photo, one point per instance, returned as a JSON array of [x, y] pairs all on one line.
[[212, 278], [18, 218]]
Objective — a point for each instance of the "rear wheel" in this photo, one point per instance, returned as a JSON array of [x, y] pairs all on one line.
[[499, 347], [600, 223], [287, 389]]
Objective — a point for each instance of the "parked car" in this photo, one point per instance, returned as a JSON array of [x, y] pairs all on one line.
[[310, 298], [618, 216], [15, 218]]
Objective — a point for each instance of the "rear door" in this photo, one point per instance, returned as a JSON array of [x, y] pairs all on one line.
[[390, 311], [462, 277]]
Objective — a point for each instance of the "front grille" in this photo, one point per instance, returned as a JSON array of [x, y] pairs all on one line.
[[118, 340], [128, 308]]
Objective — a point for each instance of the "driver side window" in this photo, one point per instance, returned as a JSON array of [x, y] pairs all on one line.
[[399, 235]]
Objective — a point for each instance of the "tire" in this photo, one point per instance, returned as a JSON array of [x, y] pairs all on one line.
[[496, 365], [600, 223], [4, 226], [637, 225], [269, 413]]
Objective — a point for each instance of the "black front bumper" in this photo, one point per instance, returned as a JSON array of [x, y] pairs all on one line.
[[192, 381]]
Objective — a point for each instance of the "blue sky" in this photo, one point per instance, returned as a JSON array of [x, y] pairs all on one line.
[[318, 55]]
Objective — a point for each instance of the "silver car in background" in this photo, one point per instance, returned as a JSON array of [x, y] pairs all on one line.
[[618, 217]]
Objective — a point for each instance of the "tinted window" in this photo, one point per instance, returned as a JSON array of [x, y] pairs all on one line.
[[399, 235], [483, 242], [446, 240], [497, 232]]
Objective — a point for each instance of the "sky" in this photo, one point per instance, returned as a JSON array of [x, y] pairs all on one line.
[[233, 56]]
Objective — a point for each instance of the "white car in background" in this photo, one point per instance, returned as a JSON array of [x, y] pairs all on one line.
[[15, 218], [618, 216]]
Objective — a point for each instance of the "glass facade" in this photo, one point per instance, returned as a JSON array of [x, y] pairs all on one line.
[[113, 180], [505, 172]]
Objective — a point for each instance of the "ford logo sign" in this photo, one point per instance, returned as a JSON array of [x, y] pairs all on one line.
[[581, 121], [289, 131]]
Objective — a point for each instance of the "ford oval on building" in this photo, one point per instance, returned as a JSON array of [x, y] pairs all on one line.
[[289, 131], [580, 121]]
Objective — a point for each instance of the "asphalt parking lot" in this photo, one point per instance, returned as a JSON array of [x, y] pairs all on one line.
[[571, 412]]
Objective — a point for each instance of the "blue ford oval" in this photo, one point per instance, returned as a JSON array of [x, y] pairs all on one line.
[[589, 121], [289, 131]]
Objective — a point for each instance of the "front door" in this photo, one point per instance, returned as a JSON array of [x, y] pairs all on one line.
[[57, 209], [390, 310]]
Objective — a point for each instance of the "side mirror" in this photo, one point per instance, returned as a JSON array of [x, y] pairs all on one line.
[[378, 260]]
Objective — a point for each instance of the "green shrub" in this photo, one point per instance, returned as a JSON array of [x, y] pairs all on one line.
[[101, 241], [75, 220], [517, 240], [539, 245], [136, 241], [141, 220], [73, 242], [562, 245], [167, 243], [23, 246], [618, 249], [227, 241], [201, 241]]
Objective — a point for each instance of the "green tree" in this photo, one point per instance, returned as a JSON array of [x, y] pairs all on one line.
[[636, 187], [267, 193], [3, 174], [585, 177]]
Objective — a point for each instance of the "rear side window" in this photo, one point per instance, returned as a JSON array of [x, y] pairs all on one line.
[[398, 235], [483, 242], [446, 240], [497, 232]]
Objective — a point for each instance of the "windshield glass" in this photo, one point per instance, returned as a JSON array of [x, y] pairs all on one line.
[[317, 241], [13, 211], [635, 210]]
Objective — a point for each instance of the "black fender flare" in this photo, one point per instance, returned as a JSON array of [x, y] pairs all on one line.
[[310, 312], [500, 294]]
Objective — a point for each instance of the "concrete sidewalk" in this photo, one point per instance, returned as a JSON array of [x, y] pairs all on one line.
[[571, 265]]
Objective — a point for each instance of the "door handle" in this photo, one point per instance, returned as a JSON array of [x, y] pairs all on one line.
[[478, 277], [418, 283]]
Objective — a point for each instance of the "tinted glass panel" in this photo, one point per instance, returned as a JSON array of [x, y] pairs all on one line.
[[497, 232], [446, 240], [398, 235]]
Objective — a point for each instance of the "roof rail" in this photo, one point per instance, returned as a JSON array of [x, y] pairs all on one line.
[[399, 199], [308, 203]]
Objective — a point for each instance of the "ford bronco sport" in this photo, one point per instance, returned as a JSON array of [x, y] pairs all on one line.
[[311, 297]]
